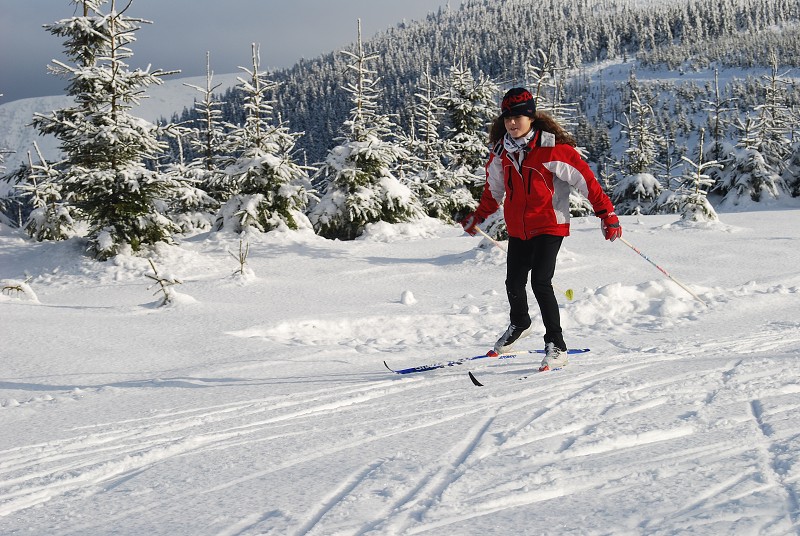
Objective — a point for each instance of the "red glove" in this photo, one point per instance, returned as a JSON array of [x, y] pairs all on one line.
[[470, 222], [610, 226]]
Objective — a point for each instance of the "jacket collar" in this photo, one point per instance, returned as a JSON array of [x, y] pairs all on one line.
[[514, 145]]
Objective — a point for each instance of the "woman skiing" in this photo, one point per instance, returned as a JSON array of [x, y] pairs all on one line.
[[530, 171]]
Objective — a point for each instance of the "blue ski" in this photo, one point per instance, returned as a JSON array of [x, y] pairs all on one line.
[[461, 361]]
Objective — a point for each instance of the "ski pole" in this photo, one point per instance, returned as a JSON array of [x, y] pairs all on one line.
[[568, 293], [663, 271]]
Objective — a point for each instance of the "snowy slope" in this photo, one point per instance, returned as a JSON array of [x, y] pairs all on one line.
[[17, 135], [261, 405]]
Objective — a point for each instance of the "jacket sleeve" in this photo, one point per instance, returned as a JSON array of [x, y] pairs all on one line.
[[493, 189], [567, 165]]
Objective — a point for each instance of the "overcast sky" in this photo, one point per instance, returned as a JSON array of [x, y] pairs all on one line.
[[183, 30]]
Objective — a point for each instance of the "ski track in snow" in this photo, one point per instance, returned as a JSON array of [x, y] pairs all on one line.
[[97, 457], [110, 457], [662, 429]]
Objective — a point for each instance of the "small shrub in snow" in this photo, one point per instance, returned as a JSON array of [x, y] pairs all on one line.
[[17, 288], [165, 284], [241, 258]]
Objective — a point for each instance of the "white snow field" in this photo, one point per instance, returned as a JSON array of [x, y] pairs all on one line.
[[260, 404]]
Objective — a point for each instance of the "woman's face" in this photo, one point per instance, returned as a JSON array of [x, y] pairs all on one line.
[[518, 125]]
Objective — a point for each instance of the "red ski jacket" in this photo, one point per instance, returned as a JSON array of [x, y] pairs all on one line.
[[535, 192]]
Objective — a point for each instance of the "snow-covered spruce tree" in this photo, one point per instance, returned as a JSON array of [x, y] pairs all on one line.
[[106, 146], [440, 192], [635, 194], [202, 185], [270, 190], [775, 143], [692, 194], [638, 189], [643, 141], [191, 208], [539, 76], [50, 217], [749, 177], [606, 175], [470, 105], [35, 200], [792, 172], [718, 109], [546, 80], [207, 140], [670, 161], [356, 180], [595, 137], [209, 131]]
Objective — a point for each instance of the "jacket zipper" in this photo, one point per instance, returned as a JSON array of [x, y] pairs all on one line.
[[509, 181]]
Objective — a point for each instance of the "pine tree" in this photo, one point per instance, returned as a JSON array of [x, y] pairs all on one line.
[[718, 109], [693, 200], [201, 184], [791, 175], [470, 106], [106, 146], [207, 140], [668, 163], [539, 76], [356, 179], [636, 192], [50, 217], [270, 189], [642, 138], [594, 138], [607, 176], [547, 82], [750, 177], [775, 119], [191, 208], [441, 192]]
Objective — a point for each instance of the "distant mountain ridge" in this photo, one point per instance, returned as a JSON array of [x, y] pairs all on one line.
[[17, 136]]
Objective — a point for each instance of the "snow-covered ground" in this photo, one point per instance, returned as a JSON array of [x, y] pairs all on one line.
[[261, 405]]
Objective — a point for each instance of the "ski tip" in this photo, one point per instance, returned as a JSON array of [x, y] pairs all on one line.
[[474, 380], [385, 364]]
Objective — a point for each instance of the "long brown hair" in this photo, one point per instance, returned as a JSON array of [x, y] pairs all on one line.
[[542, 121]]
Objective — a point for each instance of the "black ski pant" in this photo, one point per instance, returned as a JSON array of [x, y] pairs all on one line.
[[537, 257]]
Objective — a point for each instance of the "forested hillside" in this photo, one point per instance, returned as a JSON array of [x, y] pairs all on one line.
[[500, 38]]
